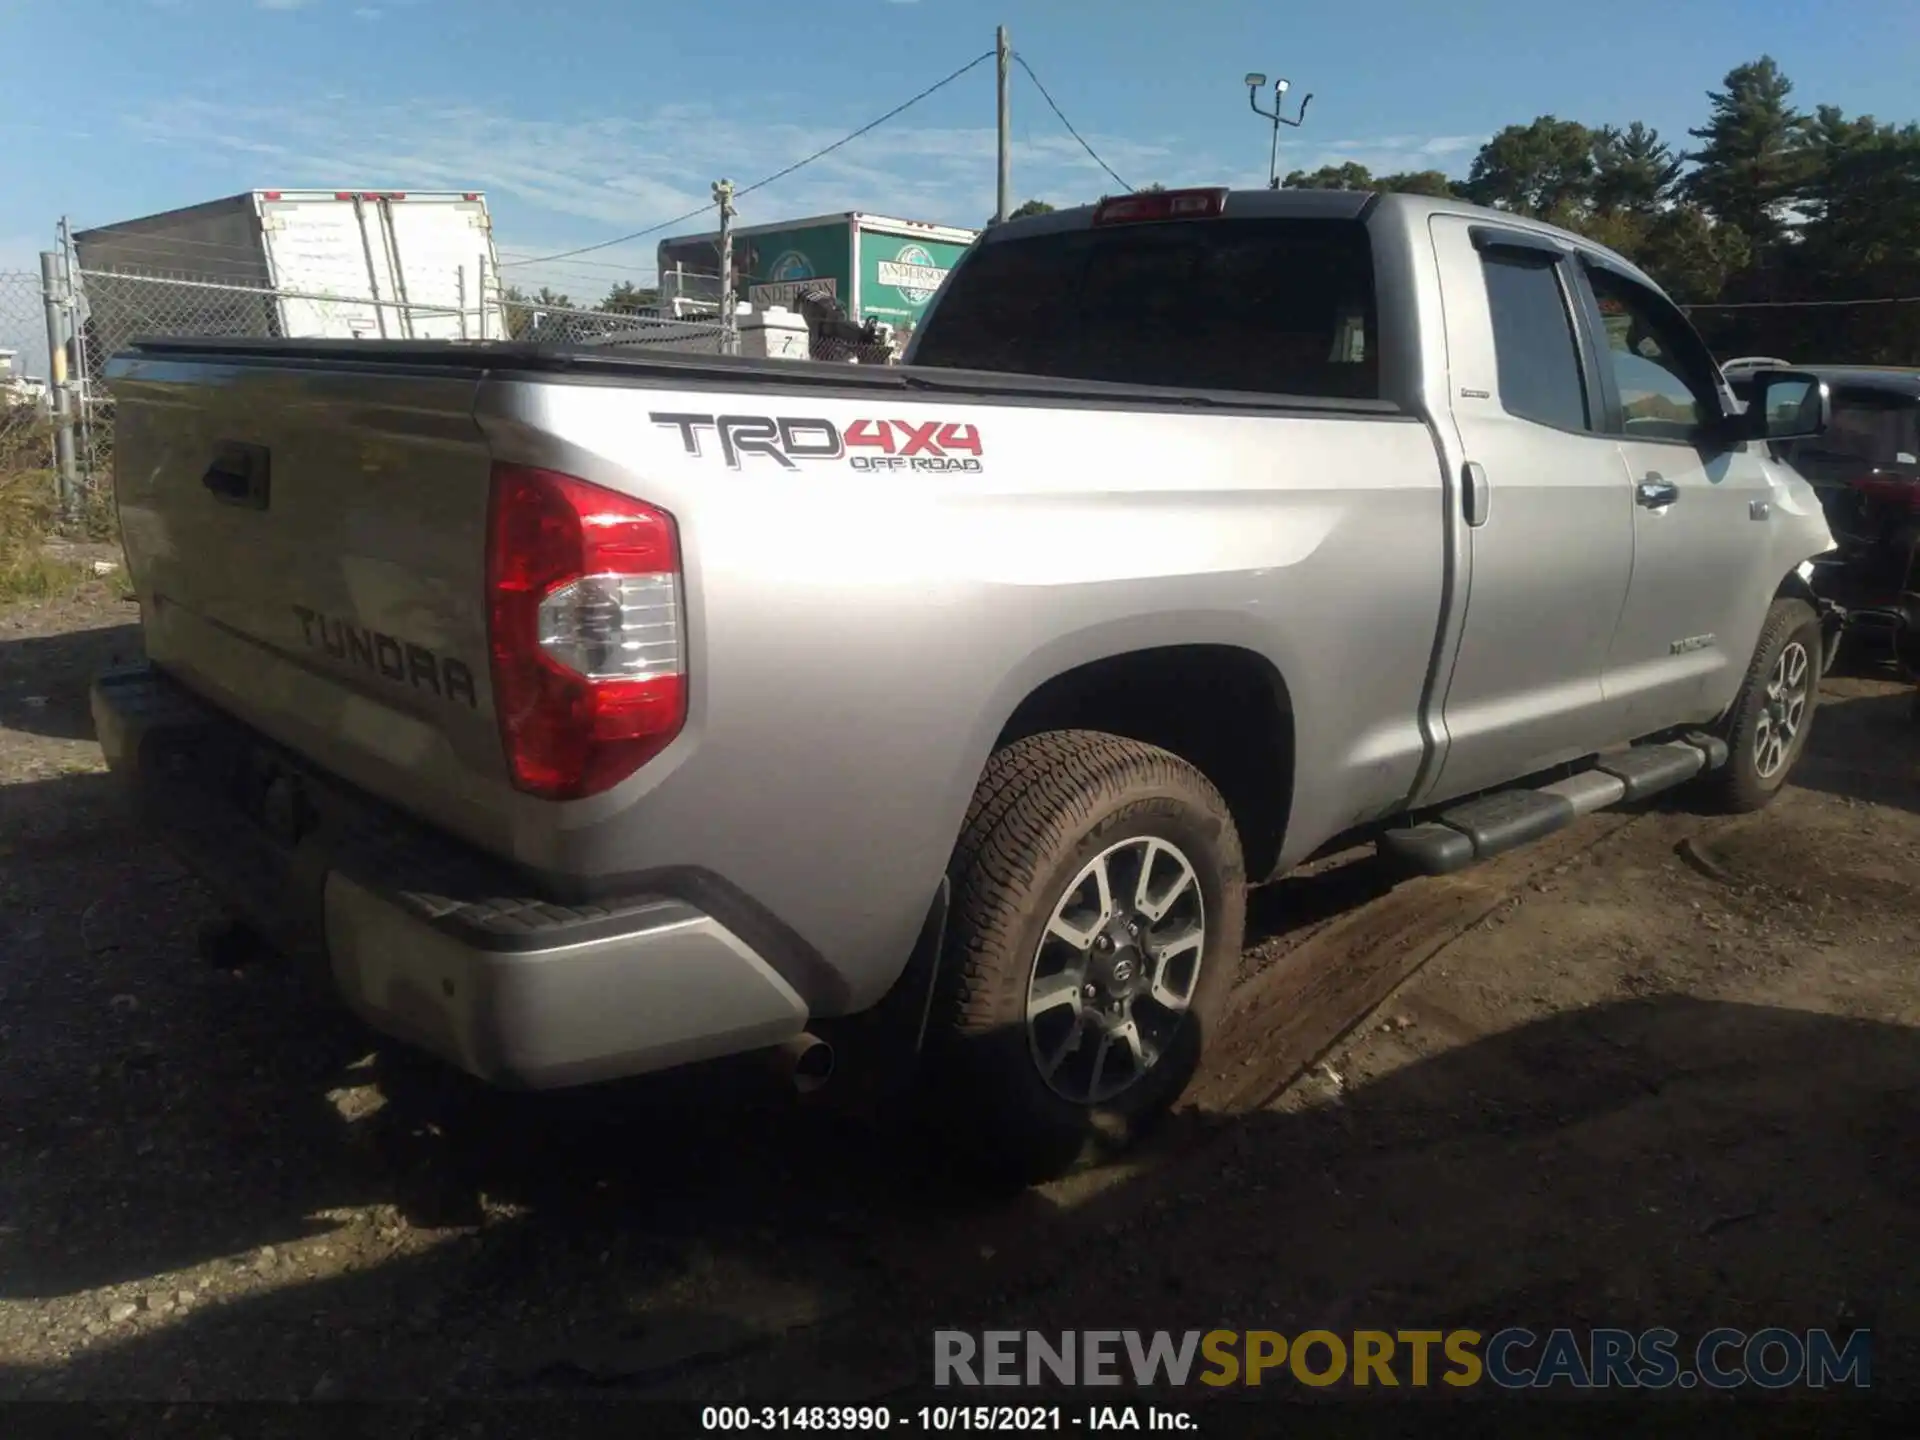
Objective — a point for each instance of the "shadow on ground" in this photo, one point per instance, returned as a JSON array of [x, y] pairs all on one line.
[[44, 678], [1660, 1162], [1864, 747], [1665, 1161]]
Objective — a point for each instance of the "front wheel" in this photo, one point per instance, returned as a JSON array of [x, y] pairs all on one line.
[[1099, 905], [1766, 729]]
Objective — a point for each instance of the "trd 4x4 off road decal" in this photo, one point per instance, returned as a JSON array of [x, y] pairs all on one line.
[[925, 445]]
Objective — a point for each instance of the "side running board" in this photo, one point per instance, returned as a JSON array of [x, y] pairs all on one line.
[[1507, 819]]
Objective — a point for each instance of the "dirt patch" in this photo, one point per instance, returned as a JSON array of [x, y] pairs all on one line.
[[1661, 1069]]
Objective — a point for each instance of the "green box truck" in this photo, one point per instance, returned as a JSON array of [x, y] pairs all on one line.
[[878, 268]]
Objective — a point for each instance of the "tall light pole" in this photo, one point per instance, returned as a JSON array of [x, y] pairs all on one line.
[[1254, 83], [729, 301], [1003, 72]]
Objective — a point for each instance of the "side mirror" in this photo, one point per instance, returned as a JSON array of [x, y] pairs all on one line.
[[1784, 405]]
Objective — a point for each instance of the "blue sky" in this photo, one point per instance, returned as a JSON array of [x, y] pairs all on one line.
[[582, 119]]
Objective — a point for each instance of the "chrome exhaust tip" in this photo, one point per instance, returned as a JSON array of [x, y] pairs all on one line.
[[805, 1062]]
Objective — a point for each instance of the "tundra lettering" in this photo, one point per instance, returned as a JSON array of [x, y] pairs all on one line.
[[401, 661]]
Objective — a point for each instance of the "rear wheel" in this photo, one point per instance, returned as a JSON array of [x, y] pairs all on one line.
[[1766, 729], [1099, 904]]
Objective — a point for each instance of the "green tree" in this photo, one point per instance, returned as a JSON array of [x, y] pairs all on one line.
[[1754, 156], [1858, 191], [1622, 230], [1634, 169], [522, 310], [1862, 237], [1026, 208], [1544, 169], [1418, 182], [1690, 254], [626, 298], [1354, 176], [1349, 176]]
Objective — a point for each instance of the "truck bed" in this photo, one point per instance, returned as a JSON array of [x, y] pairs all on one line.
[[505, 359]]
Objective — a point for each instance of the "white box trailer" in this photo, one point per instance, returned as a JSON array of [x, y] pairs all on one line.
[[342, 264]]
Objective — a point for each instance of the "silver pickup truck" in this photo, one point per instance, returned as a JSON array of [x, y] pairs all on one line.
[[589, 714]]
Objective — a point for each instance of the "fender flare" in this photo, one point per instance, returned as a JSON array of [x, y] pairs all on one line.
[[1798, 585]]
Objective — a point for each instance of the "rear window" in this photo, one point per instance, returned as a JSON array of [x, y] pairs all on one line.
[[1281, 307], [1873, 429]]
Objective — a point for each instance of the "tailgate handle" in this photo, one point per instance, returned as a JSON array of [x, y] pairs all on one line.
[[239, 475]]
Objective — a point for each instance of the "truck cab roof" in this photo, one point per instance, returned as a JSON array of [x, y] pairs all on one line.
[[1331, 205]]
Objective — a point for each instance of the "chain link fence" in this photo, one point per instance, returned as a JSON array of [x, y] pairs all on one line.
[[28, 493], [111, 309], [539, 323], [23, 369], [104, 311]]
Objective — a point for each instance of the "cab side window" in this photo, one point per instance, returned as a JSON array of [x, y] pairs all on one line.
[[1535, 351], [1654, 362]]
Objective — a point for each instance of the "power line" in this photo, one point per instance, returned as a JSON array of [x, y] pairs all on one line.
[[979, 59], [1021, 61], [1802, 304], [605, 244]]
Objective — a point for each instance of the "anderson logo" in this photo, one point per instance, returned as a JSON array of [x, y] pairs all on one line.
[[786, 291], [911, 272], [925, 445], [786, 277]]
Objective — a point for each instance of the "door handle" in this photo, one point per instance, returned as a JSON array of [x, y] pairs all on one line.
[[1656, 492], [240, 475], [1475, 497]]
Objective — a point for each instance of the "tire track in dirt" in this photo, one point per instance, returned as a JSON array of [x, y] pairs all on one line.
[[1293, 1013]]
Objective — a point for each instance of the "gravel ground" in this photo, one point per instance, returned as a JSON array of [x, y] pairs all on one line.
[[1659, 1069]]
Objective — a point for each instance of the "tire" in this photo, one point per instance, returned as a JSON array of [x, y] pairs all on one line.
[[1756, 767], [1051, 811]]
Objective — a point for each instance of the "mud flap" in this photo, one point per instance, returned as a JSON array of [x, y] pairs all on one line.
[[1833, 622], [878, 1060]]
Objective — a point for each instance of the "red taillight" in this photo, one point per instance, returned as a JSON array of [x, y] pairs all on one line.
[[583, 590], [1161, 205], [1897, 491]]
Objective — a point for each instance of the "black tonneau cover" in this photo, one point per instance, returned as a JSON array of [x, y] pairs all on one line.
[[506, 359]]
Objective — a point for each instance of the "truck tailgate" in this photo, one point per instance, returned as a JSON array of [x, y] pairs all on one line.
[[309, 548]]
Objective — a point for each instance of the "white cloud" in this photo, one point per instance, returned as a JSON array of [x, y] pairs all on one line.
[[588, 178], [283, 4], [578, 181]]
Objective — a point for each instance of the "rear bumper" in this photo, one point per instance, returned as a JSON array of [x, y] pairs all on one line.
[[427, 940]]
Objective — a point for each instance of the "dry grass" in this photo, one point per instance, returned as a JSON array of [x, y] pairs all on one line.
[[30, 515]]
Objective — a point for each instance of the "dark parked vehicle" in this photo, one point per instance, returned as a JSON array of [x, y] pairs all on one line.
[[1866, 470]]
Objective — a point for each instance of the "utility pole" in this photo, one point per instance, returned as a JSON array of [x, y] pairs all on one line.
[[80, 411], [1003, 56], [729, 321], [59, 302], [1254, 82]]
